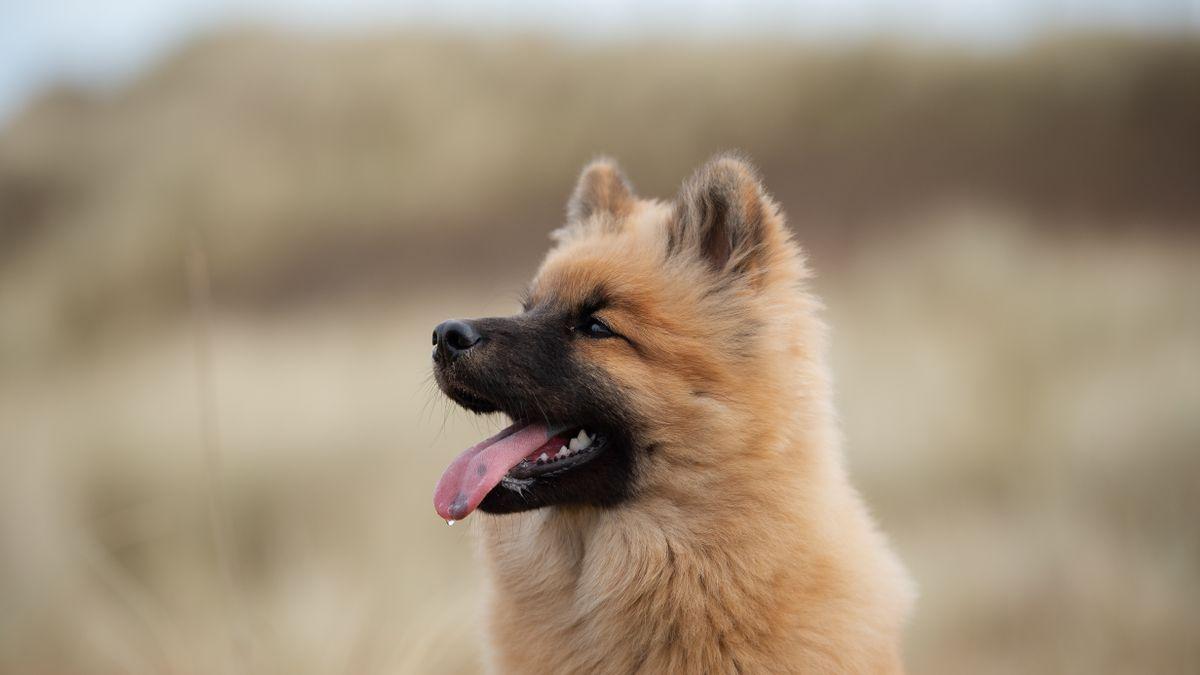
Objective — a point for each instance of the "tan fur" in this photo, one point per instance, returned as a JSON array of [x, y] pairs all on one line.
[[744, 548]]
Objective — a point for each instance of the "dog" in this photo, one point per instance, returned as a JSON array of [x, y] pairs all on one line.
[[671, 496]]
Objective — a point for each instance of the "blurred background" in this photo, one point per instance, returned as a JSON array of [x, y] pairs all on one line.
[[227, 229]]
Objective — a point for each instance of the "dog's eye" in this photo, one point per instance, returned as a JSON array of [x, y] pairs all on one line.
[[595, 328]]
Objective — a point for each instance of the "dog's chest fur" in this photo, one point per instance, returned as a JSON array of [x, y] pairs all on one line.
[[594, 591]]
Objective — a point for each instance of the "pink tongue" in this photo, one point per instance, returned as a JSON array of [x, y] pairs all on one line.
[[480, 467]]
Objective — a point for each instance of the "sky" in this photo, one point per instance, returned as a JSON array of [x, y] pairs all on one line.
[[105, 43]]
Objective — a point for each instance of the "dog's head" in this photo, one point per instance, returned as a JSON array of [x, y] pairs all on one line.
[[649, 348]]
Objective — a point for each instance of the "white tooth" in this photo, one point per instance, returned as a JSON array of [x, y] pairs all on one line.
[[562, 452], [584, 439], [544, 457], [576, 444]]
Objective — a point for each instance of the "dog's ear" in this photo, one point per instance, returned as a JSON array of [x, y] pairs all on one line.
[[601, 189], [724, 215]]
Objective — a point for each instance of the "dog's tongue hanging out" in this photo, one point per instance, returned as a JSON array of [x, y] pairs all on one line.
[[480, 467]]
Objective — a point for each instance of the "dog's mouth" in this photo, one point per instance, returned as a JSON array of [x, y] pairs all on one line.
[[516, 456], [575, 446]]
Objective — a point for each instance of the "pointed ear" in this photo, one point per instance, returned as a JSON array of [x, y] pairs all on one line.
[[602, 189], [722, 215]]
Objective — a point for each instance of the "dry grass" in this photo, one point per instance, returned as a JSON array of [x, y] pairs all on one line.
[[1019, 385], [1023, 416]]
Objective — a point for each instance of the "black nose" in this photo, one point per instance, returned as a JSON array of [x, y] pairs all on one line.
[[454, 337]]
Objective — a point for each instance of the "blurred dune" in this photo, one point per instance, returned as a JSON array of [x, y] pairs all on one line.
[[1007, 243]]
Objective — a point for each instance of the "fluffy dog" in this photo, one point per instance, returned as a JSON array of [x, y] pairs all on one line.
[[670, 497]]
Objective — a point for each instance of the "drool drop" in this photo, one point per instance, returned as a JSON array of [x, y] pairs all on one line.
[[450, 523]]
